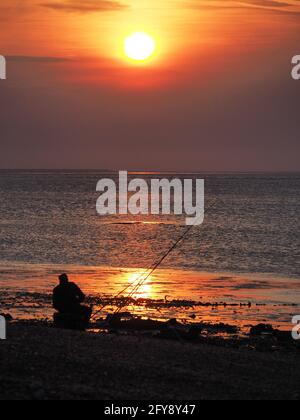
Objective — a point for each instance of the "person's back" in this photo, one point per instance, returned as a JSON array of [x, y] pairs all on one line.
[[67, 300], [67, 297]]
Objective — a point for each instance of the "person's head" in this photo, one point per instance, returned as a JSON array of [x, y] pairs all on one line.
[[63, 279]]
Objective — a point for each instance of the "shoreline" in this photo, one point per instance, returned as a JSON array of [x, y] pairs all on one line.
[[210, 297], [8, 266]]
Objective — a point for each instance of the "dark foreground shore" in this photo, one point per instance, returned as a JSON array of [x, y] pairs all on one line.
[[42, 363]]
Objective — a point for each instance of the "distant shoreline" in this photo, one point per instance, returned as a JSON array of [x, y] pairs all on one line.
[[151, 172]]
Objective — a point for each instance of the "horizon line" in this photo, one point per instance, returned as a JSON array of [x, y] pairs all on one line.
[[151, 172]]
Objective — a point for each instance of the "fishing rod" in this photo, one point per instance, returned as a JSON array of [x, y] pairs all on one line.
[[141, 280], [174, 246], [141, 277], [120, 293]]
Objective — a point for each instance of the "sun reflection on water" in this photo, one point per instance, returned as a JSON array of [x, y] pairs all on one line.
[[140, 287], [166, 294]]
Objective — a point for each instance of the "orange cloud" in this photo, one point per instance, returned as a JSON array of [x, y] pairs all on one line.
[[88, 6], [269, 5]]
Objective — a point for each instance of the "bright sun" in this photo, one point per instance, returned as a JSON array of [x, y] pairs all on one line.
[[139, 46]]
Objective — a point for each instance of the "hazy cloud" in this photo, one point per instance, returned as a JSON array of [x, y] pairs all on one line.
[[36, 59], [87, 6], [13, 9], [265, 3], [271, 5]]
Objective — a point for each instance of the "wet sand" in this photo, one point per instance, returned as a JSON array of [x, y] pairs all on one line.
[[39, 362], [213, 297]]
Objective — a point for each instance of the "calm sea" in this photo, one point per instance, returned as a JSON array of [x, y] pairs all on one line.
[[49, 219]]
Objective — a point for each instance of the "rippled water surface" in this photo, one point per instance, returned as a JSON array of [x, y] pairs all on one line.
[[49, 219]]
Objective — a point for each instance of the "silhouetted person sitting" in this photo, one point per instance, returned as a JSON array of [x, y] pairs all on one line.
[[68, 299]]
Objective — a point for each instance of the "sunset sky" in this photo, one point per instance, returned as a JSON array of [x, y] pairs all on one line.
[[217, 94]]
